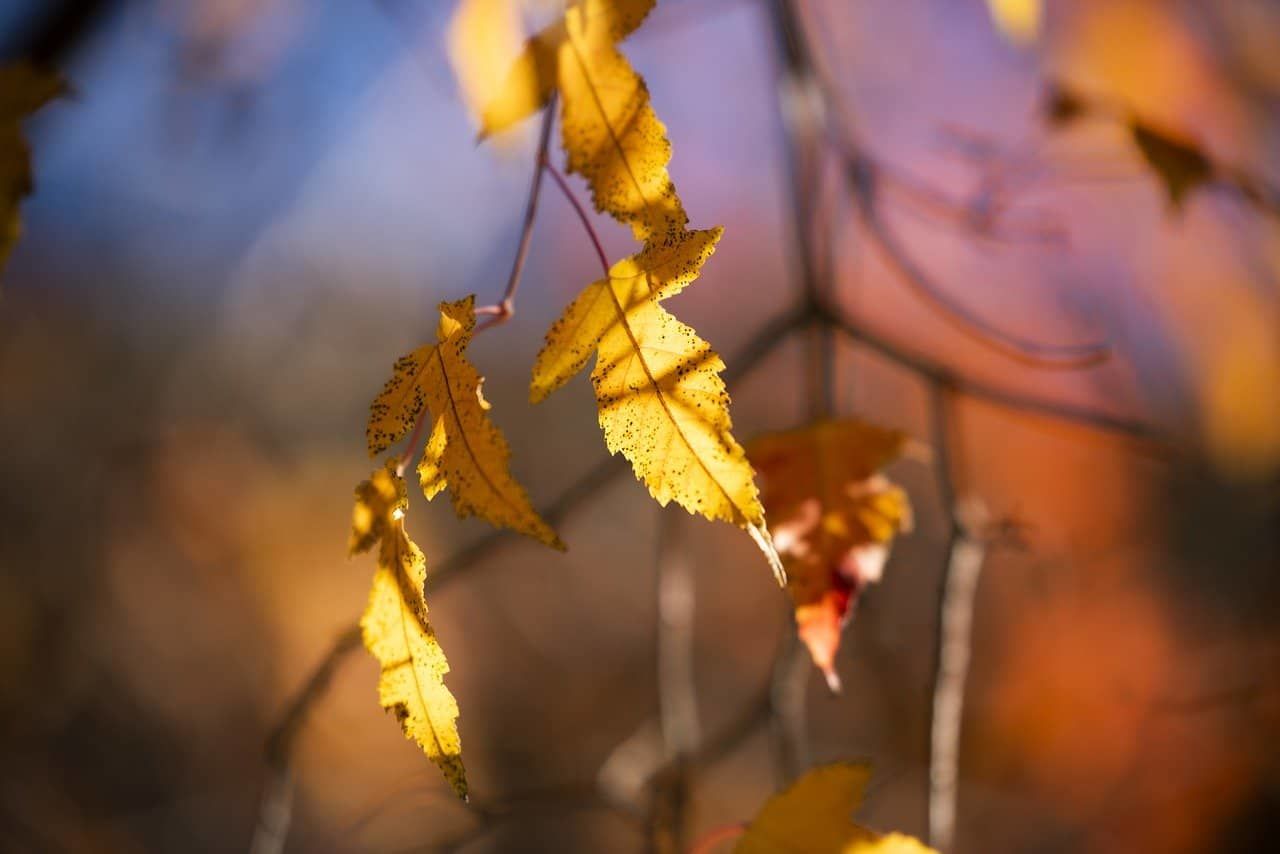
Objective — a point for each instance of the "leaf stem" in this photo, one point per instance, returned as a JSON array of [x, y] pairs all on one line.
[[581, 212]]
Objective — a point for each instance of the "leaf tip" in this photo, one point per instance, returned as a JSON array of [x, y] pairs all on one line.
[[833, 681], [760, 534]]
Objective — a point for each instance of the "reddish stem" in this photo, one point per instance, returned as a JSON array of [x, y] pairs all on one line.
[[582, 214], [411, 448], [716, 836]]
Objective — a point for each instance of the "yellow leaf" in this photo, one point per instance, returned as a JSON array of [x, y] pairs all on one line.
[[396, 630], [466, 450], [528, 84], [574, 337], [483, 37], [614, 139], [23, 90], [833, 516], [662, 402], [813, 817], [1017, 20]]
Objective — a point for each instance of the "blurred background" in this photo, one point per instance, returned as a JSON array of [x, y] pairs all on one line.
[[247, 210]]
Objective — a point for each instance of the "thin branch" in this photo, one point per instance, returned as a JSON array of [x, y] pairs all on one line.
[[788, 707], [568, 193], [862, 176], [957, 592], [1158, 442], [677, 685], [276, 809], [503, 310]]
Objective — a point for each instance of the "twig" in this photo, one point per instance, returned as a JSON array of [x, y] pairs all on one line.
[[788, 693], [677, 686], [568, 193], [862, 176], [1158, 442], [957, 591], [502, 311], [276, 809]]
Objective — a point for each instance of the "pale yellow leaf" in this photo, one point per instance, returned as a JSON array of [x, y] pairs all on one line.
[[662, 402], [1019, 21], [814, 816], [397, 632], [529, 81], [484, 37], [466, 450], [613, 138]]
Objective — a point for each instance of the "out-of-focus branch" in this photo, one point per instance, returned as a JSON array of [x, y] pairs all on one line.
[[788, 707], [677, 687], [1156, 441], [276, 809], [957, 590], [863, 176]]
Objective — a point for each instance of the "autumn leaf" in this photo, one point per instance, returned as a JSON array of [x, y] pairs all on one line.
[[483, 37], [813, 816], [534, 75], [610, 133], [1180, 166], [662, 402], [1019, 21], [23, 90], [613, 138], [834, 517], [396, 630], [465, 451]]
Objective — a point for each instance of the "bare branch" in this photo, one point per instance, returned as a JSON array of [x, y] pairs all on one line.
[[276, 809], [1158, 443], [503, 310], [677, 685], [957, 591]]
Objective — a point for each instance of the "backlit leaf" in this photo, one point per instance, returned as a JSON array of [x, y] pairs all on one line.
[[396, 630], [23, 90], [833, 517], [814, 816], [528, 84], [1019, 21], [662, 402], [484, 36], [612, 136], [466, 450]]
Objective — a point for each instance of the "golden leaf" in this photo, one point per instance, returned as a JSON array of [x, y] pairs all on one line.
[[662, 402], [396, 630], [833, 518], [483, 37], [528, 85], [613, 138], [466, 450], [1018, 21], [23, 90], [813, 815]]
